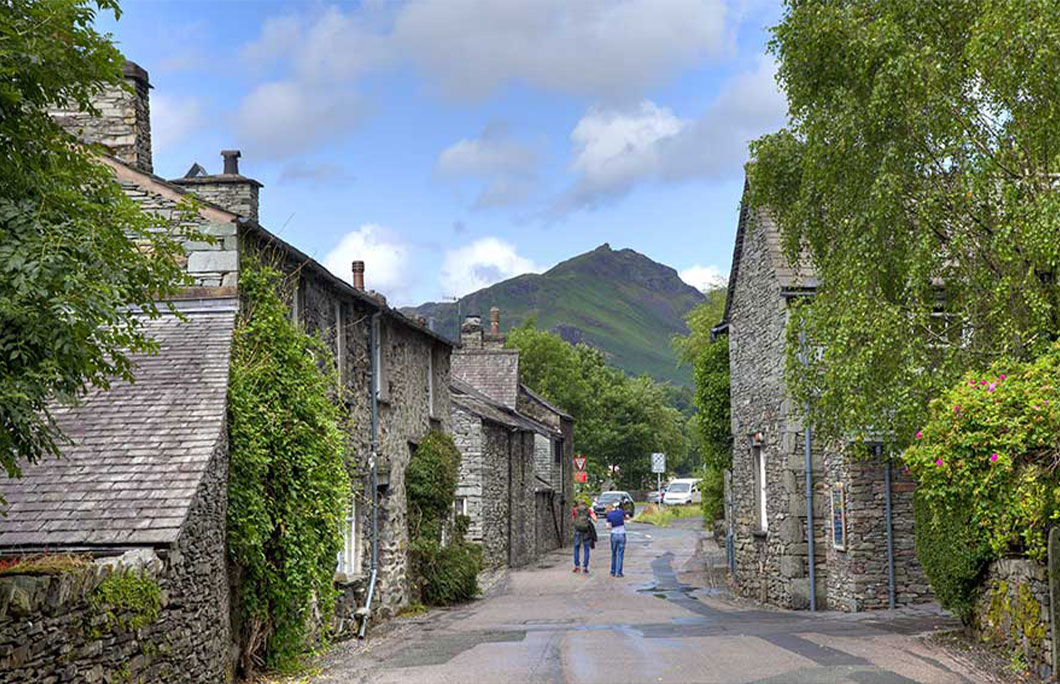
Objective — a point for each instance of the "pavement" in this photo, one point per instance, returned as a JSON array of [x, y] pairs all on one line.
[[670, 619]]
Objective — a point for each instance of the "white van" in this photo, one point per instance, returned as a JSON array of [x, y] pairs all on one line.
[[682, 492]]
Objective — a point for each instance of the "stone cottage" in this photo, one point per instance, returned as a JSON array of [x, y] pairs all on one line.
[[172, 503], [142, 488], [863, 554], [515, 480]]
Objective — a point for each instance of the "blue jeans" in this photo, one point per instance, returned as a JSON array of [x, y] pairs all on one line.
[[618, 553], [582, 540]]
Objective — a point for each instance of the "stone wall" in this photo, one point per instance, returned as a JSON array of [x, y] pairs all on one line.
[[1013, 611], [468, 436], [210, 263], [405, 412], [124, 121], [523, 516], [858, 575], [50, 631], [770, 566], [496, 502]]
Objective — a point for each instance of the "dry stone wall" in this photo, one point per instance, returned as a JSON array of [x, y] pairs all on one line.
[[1013, 611], [51, 631]]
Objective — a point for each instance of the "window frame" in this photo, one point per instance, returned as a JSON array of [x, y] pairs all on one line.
[[761, 489]]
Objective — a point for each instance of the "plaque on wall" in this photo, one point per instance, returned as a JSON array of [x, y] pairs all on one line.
[[839, 518]]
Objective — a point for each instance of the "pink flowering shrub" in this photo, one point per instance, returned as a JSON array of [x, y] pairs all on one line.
[[991, 449]]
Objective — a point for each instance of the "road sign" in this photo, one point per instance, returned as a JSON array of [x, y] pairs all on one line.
[[658, 463], [579, 463], [581, 476]]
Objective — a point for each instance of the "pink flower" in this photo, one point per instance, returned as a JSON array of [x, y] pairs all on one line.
[[919, 434], [938, 462], [992, 387], [957, 408], [993, 457], [982, 382], [971, 383], [1002, 376]]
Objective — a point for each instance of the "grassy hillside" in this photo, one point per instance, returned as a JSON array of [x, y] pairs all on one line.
[[618, 301]]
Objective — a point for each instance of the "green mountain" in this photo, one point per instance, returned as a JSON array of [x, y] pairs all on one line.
[[618, 301]]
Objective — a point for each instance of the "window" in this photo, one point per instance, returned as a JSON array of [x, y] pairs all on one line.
[[557, 451], [349, 562], [839, 517], [460, 505], [759, 464]]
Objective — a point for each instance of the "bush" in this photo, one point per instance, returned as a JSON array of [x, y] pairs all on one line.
[[952, 554], [985, 464], [442, 573], [712, 486]]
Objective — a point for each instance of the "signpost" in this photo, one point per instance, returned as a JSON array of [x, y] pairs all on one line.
[[658, 466], [580, 475]]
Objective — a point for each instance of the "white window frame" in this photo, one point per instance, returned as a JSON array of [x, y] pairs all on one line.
[[758, 459], [349, 560], [460, 505]]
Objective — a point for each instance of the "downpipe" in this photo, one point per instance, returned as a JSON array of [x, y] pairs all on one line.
[[373, 342], [811, 560]]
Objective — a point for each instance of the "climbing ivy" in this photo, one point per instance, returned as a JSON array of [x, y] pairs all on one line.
[[288, 486], [443, 573]]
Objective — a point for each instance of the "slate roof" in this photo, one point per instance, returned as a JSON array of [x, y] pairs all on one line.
[[139, 450], [798, 277], [470, 399], [544, 402], [493, 372]]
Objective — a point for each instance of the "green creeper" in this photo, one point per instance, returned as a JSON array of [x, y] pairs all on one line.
[[918, 172], [80, 264]]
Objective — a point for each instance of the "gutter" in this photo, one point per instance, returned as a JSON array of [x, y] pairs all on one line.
[[890, 526], [373, 341], [811, 559]]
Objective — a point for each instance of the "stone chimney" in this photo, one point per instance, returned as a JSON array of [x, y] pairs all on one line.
[[358, 275], [494, 339], [229, 190], [471, 332], [123, 125]]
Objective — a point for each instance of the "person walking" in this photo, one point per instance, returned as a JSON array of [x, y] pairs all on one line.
[[584, 517], [616, 520]]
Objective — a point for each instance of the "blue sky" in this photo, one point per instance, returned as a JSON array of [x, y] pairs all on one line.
[[454, 143]]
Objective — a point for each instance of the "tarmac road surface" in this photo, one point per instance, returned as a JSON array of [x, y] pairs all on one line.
[[667, 620]]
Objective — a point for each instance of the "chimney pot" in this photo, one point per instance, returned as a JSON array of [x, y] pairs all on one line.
[[495, 320], [231, 161], [358, 275]]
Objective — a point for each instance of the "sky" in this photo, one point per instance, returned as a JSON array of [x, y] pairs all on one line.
[[451, 144]]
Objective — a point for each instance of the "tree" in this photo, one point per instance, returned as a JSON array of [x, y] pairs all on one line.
[[918, 174], [80, 264], [618, 421], [710, 373]]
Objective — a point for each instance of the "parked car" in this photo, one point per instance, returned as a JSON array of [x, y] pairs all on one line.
[[616, 498], [682, 492], [656, 497]]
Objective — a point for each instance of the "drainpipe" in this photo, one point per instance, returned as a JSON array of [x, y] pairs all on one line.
[[890, 530], [809, 488], [373, 342]]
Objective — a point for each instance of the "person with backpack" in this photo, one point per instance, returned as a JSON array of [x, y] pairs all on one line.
[[584, 517]]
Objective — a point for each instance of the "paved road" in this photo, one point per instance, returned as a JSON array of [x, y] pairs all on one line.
[[663, 622]]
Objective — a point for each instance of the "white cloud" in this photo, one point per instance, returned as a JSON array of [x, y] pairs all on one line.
[[704, 278], [468, 49], [480, 264], [614, 149], [173, 119], [506, 167], [385, 257], [284, 118], [599, 48]]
